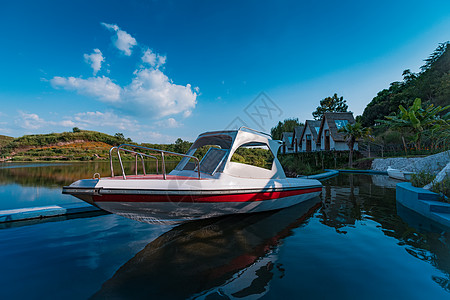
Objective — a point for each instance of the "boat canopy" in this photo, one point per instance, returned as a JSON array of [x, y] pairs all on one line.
[[223, 144]]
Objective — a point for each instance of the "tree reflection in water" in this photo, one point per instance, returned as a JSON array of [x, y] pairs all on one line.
[[351, 198], [60, 174], [234, 255]]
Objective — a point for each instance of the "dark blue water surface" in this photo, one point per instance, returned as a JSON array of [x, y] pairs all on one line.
[[354, 242]]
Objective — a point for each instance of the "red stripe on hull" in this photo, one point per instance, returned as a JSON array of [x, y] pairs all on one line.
[[249, 197], [155, 176]]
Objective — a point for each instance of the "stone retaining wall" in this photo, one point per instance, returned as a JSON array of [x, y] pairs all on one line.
[[433, 163]]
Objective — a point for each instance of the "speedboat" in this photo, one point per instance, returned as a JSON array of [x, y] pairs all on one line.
[[399, 174], [221, 183]]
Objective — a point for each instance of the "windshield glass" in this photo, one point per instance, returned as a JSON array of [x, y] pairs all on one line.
[[199, 149]]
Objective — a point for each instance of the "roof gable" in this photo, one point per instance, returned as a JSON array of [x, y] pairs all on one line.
[[331, 118], [298, 130], [312, 124], [286, 137]]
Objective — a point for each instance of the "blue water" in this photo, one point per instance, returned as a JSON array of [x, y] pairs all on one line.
[[17, 196], [353, 242]]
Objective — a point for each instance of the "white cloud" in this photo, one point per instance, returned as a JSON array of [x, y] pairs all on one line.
[[101, 87], [172, 123], [33, 121], [5, 131], [95, 60], [187, 113], [151, 91], [122, 40], [149, 57], [111, 26], [91, 120], [153, 59], [161, 61], [99, 119], [150, 136], [169, 123], [30, 121], [67, 123]]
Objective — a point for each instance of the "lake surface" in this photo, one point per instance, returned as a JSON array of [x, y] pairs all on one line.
[[354, 242]]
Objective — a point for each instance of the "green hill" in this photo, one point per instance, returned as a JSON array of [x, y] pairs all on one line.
[[79, 145], [431, 84], [5, 140]]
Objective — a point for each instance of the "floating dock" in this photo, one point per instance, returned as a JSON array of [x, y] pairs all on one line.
[[30, 213]]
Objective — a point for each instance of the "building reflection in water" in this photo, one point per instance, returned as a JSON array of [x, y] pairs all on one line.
[[234, 256], [348, 199]]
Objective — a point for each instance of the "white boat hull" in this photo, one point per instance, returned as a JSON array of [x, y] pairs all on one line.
[[176, 201], [399, 174], [177, 212]]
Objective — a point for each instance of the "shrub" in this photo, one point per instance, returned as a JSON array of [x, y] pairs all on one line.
[[442, 188], [297, 164], [421, 178]]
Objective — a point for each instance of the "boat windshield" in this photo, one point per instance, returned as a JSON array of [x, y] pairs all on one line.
[[212, 150], [212, 160]]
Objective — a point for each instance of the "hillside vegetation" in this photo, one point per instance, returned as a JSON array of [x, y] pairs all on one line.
[[79, 145], [5, 140], [431, 84]]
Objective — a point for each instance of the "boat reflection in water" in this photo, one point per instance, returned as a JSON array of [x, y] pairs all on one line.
[[232, 256]]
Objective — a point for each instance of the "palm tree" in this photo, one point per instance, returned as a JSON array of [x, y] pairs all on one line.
[[416, 119], [441, 132], [352, 133]]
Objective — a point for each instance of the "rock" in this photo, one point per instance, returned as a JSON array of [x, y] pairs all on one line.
[[432, 164], [439, 177]]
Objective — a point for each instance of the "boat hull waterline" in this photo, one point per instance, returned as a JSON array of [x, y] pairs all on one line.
[[171, 207]]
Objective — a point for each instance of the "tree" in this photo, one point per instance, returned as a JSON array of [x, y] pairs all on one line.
[[408, 76], [287, 125], [76, 129], [438, 52], [120, 136], [416, 119], [441, 133], [352, 133], [330, 104], [182, 146]]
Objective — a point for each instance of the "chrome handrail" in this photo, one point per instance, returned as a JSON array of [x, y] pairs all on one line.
[[136, 154], [162, 152]]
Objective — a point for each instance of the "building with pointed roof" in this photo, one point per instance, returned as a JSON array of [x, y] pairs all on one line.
[[297, 139], [329, 136], [286, 138], [309, 137]]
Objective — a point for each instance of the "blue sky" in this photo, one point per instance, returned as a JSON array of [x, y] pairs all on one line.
[[159, 70]]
